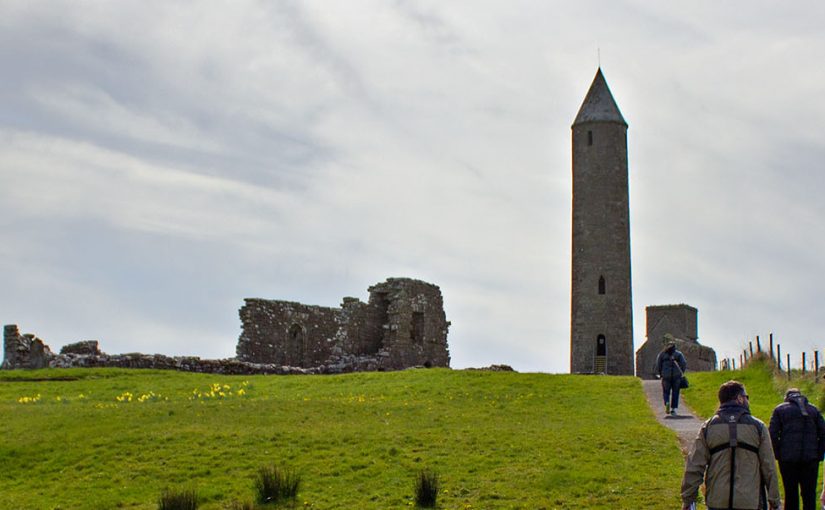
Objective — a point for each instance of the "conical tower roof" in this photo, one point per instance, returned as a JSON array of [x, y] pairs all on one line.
[[599, 105]]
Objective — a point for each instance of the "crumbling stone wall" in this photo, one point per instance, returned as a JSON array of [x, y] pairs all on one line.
[[677, 324], [286, 333], [90, 347], [402, 325], [24, 351]]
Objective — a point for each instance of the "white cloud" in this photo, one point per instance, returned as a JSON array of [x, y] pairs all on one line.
[[158, 163]]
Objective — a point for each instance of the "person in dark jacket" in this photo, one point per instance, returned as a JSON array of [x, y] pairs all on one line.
[[798, 437], [671, 366]]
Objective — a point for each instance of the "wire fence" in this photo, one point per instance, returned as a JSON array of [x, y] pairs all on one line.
[[773, 353]]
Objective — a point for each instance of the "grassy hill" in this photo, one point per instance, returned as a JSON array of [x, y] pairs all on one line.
[[765, 386], [115, 438]]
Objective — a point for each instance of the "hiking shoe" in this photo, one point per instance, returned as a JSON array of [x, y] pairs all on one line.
[[673, 412], [667, 408]]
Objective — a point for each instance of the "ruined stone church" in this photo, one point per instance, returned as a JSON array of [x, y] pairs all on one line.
[[402, 325]]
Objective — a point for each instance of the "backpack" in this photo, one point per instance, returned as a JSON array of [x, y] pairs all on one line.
[[734, 444]]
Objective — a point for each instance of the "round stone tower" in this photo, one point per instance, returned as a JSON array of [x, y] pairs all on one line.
[[601, 321]]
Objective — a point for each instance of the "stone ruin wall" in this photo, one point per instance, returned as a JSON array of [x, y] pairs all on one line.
[[677, 324], [403, 325], [24, 351]]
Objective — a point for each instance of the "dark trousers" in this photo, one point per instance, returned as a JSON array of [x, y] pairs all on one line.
[[670, 391], [799, 478]]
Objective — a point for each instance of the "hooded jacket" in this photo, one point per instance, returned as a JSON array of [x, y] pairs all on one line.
[[732, 476], [671, 366], [797, 430]]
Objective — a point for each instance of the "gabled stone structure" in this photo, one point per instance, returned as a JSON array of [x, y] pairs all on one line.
[[402, 325], [677, 324]]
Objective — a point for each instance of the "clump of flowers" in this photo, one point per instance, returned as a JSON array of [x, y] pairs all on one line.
[[219, 391], [66, 400], [128, 396], [29, 400], [151, 397]]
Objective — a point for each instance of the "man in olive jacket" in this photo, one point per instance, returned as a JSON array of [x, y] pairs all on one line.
[[733, 455], [798, 437]]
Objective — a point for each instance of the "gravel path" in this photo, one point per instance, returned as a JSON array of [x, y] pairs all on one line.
[[686, 424]]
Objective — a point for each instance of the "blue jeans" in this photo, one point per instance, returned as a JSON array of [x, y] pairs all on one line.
[[671, 387]]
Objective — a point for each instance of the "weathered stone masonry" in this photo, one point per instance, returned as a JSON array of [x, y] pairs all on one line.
[[24, 351], [402, 325], [676, 324]]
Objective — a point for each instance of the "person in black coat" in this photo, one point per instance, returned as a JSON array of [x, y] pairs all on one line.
[[670, 366], [798, 436]]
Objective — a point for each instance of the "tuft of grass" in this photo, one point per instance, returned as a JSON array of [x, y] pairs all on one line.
[[242, 505], [426, 489], [172, 499], [274, 484]]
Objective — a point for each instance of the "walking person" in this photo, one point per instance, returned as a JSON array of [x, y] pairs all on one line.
[[733, 456], [671, 366], [798, 435]]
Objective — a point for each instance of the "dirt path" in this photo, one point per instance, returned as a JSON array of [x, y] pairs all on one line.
[[686, 424]]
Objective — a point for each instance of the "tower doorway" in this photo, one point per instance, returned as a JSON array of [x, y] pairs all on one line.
[[600, 361]]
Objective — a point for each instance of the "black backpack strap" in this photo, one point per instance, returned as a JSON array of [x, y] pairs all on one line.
[[733, 444]]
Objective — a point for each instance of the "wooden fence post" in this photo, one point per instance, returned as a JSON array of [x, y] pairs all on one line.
[[816, 364], [750, 346], [789, 366], [771, 340], [779, 356], [803, 362], [758, 344]]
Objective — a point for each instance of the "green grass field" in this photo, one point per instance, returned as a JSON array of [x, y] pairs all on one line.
[[765, 387], [497, 440]]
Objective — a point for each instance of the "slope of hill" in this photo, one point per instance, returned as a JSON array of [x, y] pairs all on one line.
[[115, 438]]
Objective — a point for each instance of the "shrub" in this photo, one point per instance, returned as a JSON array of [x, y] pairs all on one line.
[[170, 499], [426, 489], [275, 484]]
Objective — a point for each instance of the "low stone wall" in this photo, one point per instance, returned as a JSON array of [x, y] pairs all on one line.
[[90, 347], [183, 363], [29, 352]]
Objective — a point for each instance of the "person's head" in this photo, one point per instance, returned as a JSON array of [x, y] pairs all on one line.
[[732, 391], [792, 393]]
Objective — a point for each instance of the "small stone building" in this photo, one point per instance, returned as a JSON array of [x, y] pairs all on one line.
[[402, 325], [677, 324]]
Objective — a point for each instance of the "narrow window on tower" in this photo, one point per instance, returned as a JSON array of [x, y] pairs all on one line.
[[590, 138], [601, 284]]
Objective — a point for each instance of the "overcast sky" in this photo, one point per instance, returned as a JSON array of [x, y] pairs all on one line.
[[160, 161]]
